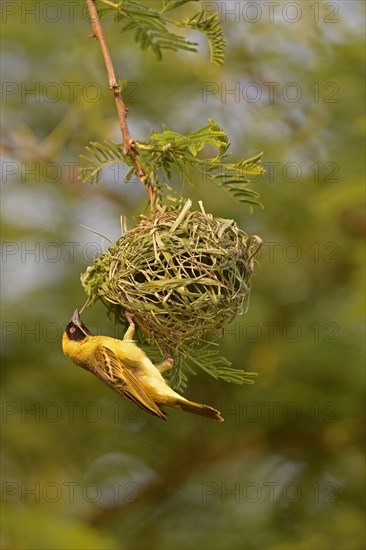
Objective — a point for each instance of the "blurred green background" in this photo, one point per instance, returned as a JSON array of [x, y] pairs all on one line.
[[85, 469]]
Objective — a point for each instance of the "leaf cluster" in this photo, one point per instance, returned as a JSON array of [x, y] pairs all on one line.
[[169, 152], [154, 30], [206, 357]]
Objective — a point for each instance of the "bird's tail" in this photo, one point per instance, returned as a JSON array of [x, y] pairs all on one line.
[[197, 408]]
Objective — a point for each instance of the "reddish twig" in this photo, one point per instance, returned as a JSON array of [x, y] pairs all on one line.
[[122, 111]]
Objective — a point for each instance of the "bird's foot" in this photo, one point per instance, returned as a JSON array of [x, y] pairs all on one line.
[[130, 317], [169, 358], [167, 364], [131, 329]]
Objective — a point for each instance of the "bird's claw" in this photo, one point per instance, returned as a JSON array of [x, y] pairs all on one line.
[[130, 317], [169, 358]]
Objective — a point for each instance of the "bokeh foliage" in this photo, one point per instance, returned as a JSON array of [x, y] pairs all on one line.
[[299, 428]]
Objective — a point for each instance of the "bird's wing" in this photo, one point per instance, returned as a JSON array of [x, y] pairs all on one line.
[[122, 379]]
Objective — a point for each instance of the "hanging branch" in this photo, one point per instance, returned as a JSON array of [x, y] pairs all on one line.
[[122, 111], [167, 152]]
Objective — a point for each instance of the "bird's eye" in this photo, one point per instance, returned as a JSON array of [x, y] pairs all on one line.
[[72, 330]]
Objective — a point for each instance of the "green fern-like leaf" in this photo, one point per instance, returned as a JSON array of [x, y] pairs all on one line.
[[211, 28], [208, 359], [234, 178], [99, 156], [173, 4], [194, 142]]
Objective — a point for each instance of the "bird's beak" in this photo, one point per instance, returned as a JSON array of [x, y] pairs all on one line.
[[76, 318]]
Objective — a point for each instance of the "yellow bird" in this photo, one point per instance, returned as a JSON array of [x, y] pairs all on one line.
[[124, 367]]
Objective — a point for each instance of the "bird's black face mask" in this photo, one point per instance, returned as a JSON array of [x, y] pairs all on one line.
[[77, 333], [76, 330]]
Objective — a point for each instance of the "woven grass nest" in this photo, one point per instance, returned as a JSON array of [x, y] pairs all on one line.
[[183, 273]]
